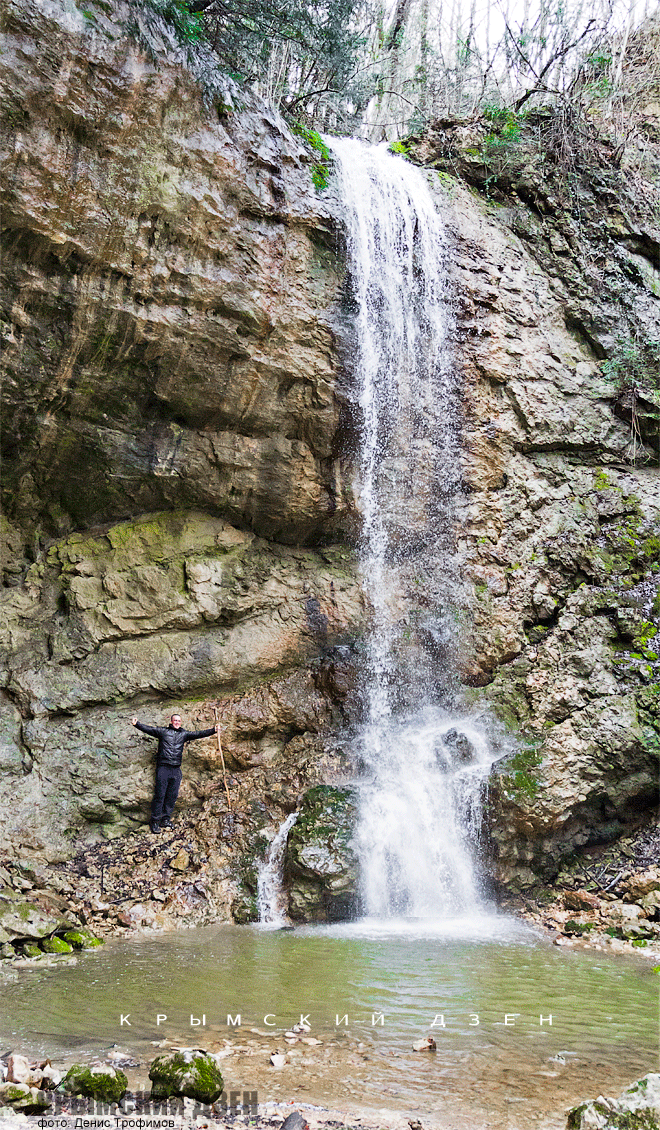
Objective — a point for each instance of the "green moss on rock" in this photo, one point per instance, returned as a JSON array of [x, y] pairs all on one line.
[[104, 1084], [56, 945], [82, 939], [31, 949], [517, 774], [321, 867], [191, 1074]]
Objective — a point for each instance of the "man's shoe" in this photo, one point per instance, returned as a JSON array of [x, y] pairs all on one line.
[[167, 823], [154, 826]]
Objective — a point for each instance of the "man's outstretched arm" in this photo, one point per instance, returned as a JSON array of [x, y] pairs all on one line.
[[154, 731], [192, 735]]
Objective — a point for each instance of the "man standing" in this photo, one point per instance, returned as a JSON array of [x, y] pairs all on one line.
[[171, 740]]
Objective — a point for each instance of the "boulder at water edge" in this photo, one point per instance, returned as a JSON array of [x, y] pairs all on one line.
[[320, 866], [28, 1100], [100, 1081], [188, 1072], [22, 919], [638, 1108]]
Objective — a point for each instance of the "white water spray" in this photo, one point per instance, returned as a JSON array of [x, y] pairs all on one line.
[[271, 899], [423, 768]]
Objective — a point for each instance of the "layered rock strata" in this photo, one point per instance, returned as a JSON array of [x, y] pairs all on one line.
[[560, 526], [178, 510], [172, 483]]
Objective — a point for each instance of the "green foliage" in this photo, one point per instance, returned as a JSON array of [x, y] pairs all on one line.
[[313, 139], [597, 74], [499, 147], [188, 26], [320, 177], [296, 53], [321, 169], [400, 149], [634, 363], [519, 776], [573, 927]]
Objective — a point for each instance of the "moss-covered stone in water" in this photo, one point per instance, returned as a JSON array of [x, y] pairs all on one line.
[[82, 939], [191, 1074], [31, 949], [105, 1086], [56, 945]]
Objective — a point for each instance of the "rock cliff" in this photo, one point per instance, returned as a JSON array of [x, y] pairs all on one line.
[[558, 318], [173, 490], [177, 477]]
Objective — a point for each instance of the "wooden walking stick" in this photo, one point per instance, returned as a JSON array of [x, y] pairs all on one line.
[[222, 757]]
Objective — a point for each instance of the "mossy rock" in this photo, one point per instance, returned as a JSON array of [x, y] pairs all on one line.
[[103, 1083], [636, 1109], [56, 945], [191, 1074], [321, 866], [245, 908], [31, 949], [11, 1093], [82, 939], [27, 1100]]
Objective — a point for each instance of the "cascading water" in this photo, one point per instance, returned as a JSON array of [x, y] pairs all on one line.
[[423, 768], [271, 901]]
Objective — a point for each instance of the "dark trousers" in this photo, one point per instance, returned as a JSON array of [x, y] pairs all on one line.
[[168, 782]]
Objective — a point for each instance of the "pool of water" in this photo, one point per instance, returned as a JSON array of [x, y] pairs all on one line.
[[485, 988]]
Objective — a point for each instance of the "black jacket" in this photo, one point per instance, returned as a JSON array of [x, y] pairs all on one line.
[[171, 741]]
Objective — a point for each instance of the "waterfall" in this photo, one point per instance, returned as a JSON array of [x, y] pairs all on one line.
[[270, 892], [423, 768]]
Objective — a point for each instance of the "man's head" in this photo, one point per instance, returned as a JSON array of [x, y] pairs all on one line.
[[175, 721]]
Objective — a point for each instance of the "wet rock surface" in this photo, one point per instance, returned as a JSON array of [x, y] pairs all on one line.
[[560, 523], [171, 282], [638, 1108], [320, 863], [169, 279]]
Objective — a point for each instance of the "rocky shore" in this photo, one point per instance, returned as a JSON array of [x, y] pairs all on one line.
[[186, 1090], [604, 897]]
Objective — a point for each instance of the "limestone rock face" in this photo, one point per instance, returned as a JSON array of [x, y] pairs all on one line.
[[174, 604], [169, 281], [177, 510], [559, 530], [169, 438], [21, 918]]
